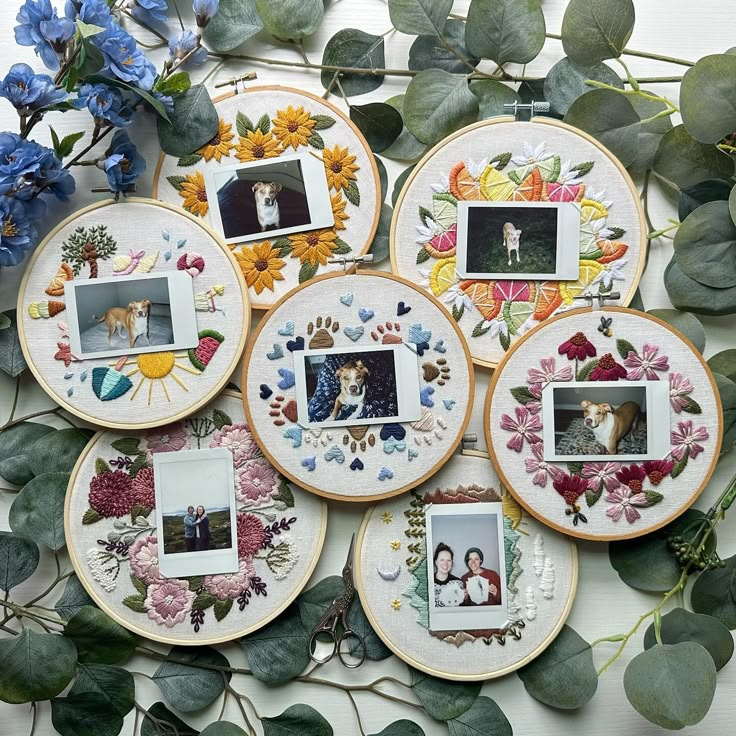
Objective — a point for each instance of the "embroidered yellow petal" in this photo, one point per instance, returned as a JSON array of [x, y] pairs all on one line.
[[293, 126], [395, 545], [257, 145], [338, 210], [340, 167], [194, 194], [387, 517], [220, 145], [261, 265], [396, 604], [315, 246]]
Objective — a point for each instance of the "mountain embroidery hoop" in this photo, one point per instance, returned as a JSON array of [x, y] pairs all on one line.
[[133, 237], [390, 577], [353, 311], [247, 122], [602, 499], [506, 159]]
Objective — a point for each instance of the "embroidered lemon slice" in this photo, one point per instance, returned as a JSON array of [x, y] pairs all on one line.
[[530, 190], [516, 313], [442, 276], [588, 271], [611, 251], [481, 293], [444, 210], [548, 299], [495, 186], [592, 209], [462, 184]]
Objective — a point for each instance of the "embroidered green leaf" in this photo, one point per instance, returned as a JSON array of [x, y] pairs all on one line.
[[483, 718], [448, 53], [401, 728], [422, 256], [594, 30], [424, 215], [203, 600], [284, 493], [283, 245], [323, 122], [379, 123], [592, 497], [264, 124], [196, 582], [90, 517], [574, 468], [140, 462], [222, 608], [12, 361], [14, 443], [297, 719], [586, 368], [114, 683], [98, 638], [505, 340], [443, 699], [566, 81], [653, 498], [72, 599], [616, 232], [315, 140], [480, 329], [290, 19], [624, 347], [419, 17], [37, 512], [85, 714], [351, 47], [714, 593], [352, 193], [457, 312], [135, 603], [193, 123], [522, 394], [691, 406], [375, 649], [399, 183], [176, 181], [307, 271], [139, 585], [234, 23], [101, 466], [18, 559], [190, 160], [220, 419], [501, 161], [341, 247], [243, 124], [172, 724]]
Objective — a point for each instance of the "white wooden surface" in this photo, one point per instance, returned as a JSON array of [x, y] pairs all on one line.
[[604, 605]]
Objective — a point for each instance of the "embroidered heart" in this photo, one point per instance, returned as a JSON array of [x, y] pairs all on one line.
[[83, 376], [287, 379], [449, 403], [402, 309], [295, 435], [347, 299], [412, 454], [310, 463], [424, 395], [439, 346], [336, 454], [417, 334], [392, 444], [265, 392], [357, 464], [425, 423], [385, 473], [287, 330], [365, 314], [290, 411], [296, 344], [276, 353], [392, 430], [354, 333]]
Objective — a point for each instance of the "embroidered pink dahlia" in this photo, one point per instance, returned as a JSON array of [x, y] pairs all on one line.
[[168, 601], [143, 491], [686, 439], [607, 369], [143, 555], [577, 347], [251, 535], [523, 425], [238, 439], [656, 470], [167, 439], [255, 480], [623, 500], [647, 364], [680, 387], [570, 487], [111, 493], [231, 585]]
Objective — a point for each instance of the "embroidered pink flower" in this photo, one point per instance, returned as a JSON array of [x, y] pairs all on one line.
[[578, 347], [607, 369], [549, 373], [111, 493], [632, 476], [238, 439], [685, 440], [680, 387], [570, 487], [603, 473], [523, 427], [656, 470], [251, 535], [231, 585], [167, 439], [623, 501], [535, 389], [143, 491], [645, 365], [540, 468], [255, 480], [143, 555], [168, 601]]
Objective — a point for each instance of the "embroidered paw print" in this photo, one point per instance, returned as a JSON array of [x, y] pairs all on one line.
[[438, 370], [321, 331], [387, 333], [281, 412], [359, 437]]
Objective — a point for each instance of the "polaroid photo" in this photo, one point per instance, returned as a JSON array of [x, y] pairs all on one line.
[[341, 387], [518, 240], [130, 315], [269, 198], [606, 420], [195, 512], [466, 566]]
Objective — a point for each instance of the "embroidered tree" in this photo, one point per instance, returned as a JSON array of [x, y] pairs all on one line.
[[88, 245]]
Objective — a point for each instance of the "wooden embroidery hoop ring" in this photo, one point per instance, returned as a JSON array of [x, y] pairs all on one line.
[[439, 673], [146, 634], [226, 373], [343, 117], [575, 531], [541, 121], [300, 481]]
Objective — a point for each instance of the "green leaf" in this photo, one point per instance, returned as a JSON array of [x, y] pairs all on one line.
[[492, 96], [101, 466], [352, 194], [401, 728], [88, 29], [72, 599], [692, 296], [235, 22], [58, 452], [731, 207], [65, 146], [12, 361], [375, 649], [316, 141], [442, 699], [564, 675], [222, 608], [14, 442], [18, 559], [172, 725], [707, 191], [37, 511], [297, 720], [595, 30], [264, 123], [437, 103], [243, 124], [290, 19], [592, 497], [223, 728], [203, 600], [380, 245], [566, 81], [406, 147], [35, 666], [624, 347], [220, 419], [4, 321], [313, 603], [98, 638], [685, 323], [176, 181], [176, 84], [190, 160], [127, 446], [714, 593], [135, 603], [707, 96], [671, 685], [323, 122], [91, 60], [650, 133], [586, 369], [383, 176], [187, 687], [193, 123], [156, 104], [139, 585], [419, 17], [351, 47], [113, 683], [523, 395], [90, 517], [399, 185], [432, 52], [380, 123], [85, 714], [505, 30], [284, 494], [724, 363], [483, 718], [307, 271]]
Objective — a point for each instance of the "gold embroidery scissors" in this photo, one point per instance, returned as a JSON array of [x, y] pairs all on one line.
[[354, 654]]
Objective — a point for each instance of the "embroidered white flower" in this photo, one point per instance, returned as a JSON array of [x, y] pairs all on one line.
[[599, 228], [496, 327], [531, 155], [476, 168], [568, 175], [282, 558], [599, 197], [611, 272], [527, 325], [457, 298], [443, 185], [104, 568], [428, 231]]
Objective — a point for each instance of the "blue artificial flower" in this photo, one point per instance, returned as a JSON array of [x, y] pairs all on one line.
[[40, 27], [105, 103], [166, 101], [17, 231], [123, 59], [28, 91], [184, 43], [94, 12], [151, 10], [123, 164], [205, 10]]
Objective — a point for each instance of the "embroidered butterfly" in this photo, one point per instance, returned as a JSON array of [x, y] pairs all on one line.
[[605, 326]]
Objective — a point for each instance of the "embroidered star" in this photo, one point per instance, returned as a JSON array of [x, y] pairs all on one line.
[[396, 604], [64, 353], [386, 517], [396, 544]]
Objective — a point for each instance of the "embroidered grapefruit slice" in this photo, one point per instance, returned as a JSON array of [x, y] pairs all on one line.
[[442, 276], [444, 210], [515, 291], [481, 294], [515, 314], [588, 271], [563, 192], [592, 209], [611, 251], [462, 184], [495, 186], [443, 245], [548, 299], [530, 190]]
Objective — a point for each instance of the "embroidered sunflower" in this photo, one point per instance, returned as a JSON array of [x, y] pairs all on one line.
[[315, 246], [260, 265], [340, 167], [220, 145], [338, 210], [293, 126], [194, 194], [257, 145]]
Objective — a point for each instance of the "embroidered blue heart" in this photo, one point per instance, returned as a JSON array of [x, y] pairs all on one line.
[[402, 309], [295, 435], [417, 334], [310, 463], [439, 346], [365, 314], [412, 453], [424, 395], [276, 353], [354, 333], [336, 454], [70, 391], [392, 444], [357, 464], [287, 379], [449, 403], [392, 430], [347, 299], [296, 344], [385, 473], [287, 330], [265, 391], [68, 375], [83, 376]]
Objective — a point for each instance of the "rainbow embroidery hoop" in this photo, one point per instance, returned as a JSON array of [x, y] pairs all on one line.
[[505, 160], [131, 238], [261, 124], [391, 578], [604, 499]]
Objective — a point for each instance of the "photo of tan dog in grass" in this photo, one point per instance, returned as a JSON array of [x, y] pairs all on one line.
[[133, 319]]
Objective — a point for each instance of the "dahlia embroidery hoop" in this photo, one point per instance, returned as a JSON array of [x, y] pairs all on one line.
[[603, 500]]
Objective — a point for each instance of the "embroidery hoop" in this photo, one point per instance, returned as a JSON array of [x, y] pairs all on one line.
[[240, 306], [480, 148], [526, 495], [476, 464], [368, 233], [93, 591], [258, 340]]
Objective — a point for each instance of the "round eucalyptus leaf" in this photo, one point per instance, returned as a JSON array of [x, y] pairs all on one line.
[[313, 603], [682, 625], [483, 718], [35, 666], [432, 52], [58, 452], [383, 178], [650, 133], [85, 714], [291, 19], [375, 649], [505, 30], [565, 82], [114, 683], [18, 559], [401, 728], [492, 96], [223, 728], [684, 322], [563, 676], [692, 296], [442, 699], [438, 103], [37, 511], [14, 443], [72, 599], [708, 98], [727, 393], [724, 363], [4, 321], [684, 162], [360, 50], [98, 638], [595, 30], [714, 593], [297, 719], [235, 22], [399, 183], [419, 17], [12, 361], [705, 246], [732, 204], [711, 190], [171, 722], [380, 245], [193, 123], [380, 123], [609, 117], [406, 147], [671, 685]]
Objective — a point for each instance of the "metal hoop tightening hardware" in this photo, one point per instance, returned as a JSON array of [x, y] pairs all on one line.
[[235, 81], [469, 438], [344, 260], [600, 299], [532, 107]]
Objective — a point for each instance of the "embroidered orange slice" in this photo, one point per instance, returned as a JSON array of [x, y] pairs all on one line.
[[530, 190], [548, 299], [588, 271], [63, 274], [611, 251], [515, 314], [495, 186], [481, 294], [442, 276], [592, 209], [462, 184]]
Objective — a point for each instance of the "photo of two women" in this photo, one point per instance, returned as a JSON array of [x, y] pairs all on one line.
[[196, 529], [479, 586]]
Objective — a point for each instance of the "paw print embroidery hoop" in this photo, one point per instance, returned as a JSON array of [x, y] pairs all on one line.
[[352, 311], [603, 499], [391, 569], [505, 159]]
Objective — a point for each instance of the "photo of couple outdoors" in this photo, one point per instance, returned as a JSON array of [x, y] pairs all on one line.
[[479, 586], [197, 530]]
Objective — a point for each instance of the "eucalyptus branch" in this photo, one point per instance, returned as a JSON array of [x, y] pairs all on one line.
[[357, 713], [636, 92], [15, 399], [239, 697], [659, 233]]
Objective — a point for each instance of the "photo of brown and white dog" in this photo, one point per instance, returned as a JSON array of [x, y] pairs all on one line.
[[353, 377], [267, 208], [511, 239], [134, 319], [610, 425]]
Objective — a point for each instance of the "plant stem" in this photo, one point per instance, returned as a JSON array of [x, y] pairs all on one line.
[[638, 93], [95, 140], [357, 713], [15, 400], [145, 25], [660, 233]]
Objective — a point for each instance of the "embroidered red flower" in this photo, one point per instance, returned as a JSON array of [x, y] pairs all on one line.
[[570, 487], [656, 470], [632, 476], [607, 369], [111, 493], [251, 535], [64, 353], [578, 347], [143, 490]]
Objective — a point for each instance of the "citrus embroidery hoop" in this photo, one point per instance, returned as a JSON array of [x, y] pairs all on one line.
[[300, 97], [473, 140], [531, 496]]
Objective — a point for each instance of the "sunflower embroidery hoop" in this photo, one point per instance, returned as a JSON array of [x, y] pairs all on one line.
[[352, 311], [133, 237], [603, 500], [505, 159], [542, 574], [262, 123]]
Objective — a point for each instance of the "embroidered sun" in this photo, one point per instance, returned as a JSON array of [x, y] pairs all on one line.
[[155, 367]]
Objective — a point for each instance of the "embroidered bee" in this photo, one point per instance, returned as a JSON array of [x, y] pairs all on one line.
[[605, 326]]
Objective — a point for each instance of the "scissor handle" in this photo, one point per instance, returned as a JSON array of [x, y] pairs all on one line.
[[314, 640], [348, 635]]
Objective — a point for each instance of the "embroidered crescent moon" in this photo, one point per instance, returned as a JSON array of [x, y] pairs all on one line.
[[389, 574]]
